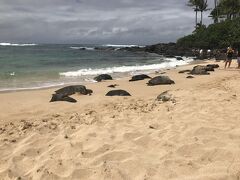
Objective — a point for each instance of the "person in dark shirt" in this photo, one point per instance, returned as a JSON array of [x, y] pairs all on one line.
[[238, 58], [229, 57]]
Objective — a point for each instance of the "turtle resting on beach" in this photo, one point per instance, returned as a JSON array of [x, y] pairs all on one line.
[[140, 77], [160, 80], [200, 70], [103, 77], [118, 93], [165, 96], [70, 90], [61, 97]]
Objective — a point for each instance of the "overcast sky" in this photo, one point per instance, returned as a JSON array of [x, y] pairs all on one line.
[[95, 21]]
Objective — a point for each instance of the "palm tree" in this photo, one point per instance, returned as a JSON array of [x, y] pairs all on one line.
[[232, 8], [215, 15], [219, 10], [216, 11], [199, 5], [203, 4], [194, 4]]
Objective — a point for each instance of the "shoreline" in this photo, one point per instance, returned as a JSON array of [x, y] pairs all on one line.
[[99, 90], [86, 82]]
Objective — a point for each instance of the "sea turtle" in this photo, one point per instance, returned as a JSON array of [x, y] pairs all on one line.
[[166, 96], [199, 70], [140, 77], [61, 97], [102, 77], [118, 93], [160, 80], [70, 90]]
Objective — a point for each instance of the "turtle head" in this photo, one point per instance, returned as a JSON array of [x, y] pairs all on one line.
[[89, 92]]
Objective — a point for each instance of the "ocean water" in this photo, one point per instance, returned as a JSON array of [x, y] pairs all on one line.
[[32, 66]]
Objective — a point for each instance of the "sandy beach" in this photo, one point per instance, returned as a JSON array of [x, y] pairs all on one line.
[[196, 136]]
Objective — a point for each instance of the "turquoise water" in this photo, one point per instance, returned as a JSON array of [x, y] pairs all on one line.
[[52, 65]]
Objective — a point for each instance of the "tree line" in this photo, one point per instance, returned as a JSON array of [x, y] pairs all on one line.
[[216, 35], [224, 32], [223, 9]]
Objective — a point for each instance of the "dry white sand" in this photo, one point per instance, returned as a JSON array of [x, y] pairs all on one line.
[[99, 137]]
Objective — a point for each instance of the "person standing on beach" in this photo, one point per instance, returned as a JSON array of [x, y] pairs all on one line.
[[238, 59], [209, 53], [229, 57]]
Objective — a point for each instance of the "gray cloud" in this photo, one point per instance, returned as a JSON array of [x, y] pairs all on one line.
[[95, 21]]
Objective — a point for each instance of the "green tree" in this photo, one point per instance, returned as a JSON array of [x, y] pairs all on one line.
[[230, 9], [219, 35], [215, 12]]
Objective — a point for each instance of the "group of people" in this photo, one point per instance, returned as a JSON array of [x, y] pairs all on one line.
[[230, 54]]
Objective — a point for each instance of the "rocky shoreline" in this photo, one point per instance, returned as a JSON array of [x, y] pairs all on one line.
[[170, 50], [174, 50]]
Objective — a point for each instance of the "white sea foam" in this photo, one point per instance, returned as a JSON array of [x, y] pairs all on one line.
[[14, 44], [123, 69], [86, 48], [12, 74]]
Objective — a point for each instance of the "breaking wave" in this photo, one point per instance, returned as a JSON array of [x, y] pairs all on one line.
[[83, 48], [123, 69], [14, 44]]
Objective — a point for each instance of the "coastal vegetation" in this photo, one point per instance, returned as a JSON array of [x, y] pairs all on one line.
[[226, 9], [222, 33], [218, 35]]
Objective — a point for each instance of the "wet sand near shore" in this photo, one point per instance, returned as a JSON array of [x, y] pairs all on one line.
[[197, 136]]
